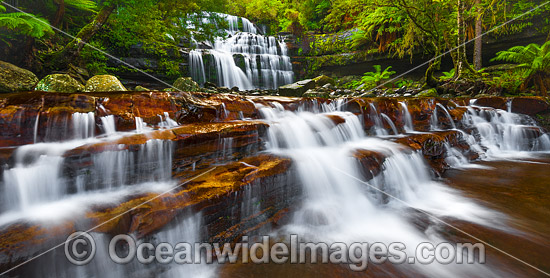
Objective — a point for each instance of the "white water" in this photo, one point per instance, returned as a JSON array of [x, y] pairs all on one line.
[[83, 125], [263, 60], [108, 124], [408, 123], [340, 208], [42, 175]]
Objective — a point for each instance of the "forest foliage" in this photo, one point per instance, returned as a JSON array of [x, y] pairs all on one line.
[[398, 28]]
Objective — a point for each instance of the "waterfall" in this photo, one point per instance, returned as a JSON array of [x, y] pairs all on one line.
[[503, 133], [39, 174], [83, 125], [390, 122], [339, 207], [196, 66], [447, 114], [408, 123], [108, 123], [246, 59]]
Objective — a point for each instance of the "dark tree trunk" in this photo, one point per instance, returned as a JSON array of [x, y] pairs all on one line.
[[479, 40], [59, 13]]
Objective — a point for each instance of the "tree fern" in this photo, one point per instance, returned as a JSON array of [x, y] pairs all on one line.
[[534, 60], [25, 24]]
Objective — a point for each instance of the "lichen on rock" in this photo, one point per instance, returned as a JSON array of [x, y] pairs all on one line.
[[15, 79], [104, 83], [186, 84], [62, 83]]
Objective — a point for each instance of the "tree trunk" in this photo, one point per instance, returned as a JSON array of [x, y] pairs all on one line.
[[478, 40], [460, 56], [59, 13], [70, 53], [431, 81]]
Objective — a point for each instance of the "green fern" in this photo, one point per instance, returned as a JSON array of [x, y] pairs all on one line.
[[532, 60], [25, 24], [84, 5], [374, 78], [448, 75]]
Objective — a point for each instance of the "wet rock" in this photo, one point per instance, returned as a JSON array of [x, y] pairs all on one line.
[[62, 83], [428, 93], [529, 105], [323, 80], [315, 93], [15, 79], [297, 89], [224, 90], [104, 83], [210, 85], [186, 84]]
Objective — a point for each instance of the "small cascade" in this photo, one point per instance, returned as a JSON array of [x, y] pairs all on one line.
[[246, 59], [447, 114], [114, 169], [434, 122], [378, 126], [108, 124], [140, 125], [501, 131], [408, 123], [196, 66], [41, 174], [36, 176], [167, 122], [83, 125], [338, 207], [390, 122]]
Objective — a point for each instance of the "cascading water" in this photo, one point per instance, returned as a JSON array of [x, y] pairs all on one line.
[[246, 59], [83, 125], [338, 207]]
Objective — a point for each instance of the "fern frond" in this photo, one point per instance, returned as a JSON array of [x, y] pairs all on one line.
[[84, 5], [26, 24]]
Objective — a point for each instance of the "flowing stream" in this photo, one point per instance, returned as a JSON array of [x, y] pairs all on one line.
[[342, 201]]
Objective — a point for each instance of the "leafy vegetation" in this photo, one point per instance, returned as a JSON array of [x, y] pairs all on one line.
[[329, 33], [533, 63], [374, 78]]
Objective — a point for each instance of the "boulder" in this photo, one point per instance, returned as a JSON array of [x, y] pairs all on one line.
[[15, 79], [104, 83], [428, 93], [323, 80], [186, 84], [61, 83], [315, 93], [297, 89]]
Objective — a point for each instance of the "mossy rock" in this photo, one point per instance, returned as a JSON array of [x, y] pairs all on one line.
[[61, 83], [186, 84], [15, 79], [323, 80], [141, 89], [428, 93], [313, 93], [297, 89], [104, 83]]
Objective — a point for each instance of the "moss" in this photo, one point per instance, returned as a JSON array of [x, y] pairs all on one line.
[[62, 83], [428, 93]]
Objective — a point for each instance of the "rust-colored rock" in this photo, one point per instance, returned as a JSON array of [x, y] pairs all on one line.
[[146, 213]]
